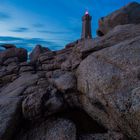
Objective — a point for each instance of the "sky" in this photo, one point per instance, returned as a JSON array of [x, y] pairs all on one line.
[[51, 23]]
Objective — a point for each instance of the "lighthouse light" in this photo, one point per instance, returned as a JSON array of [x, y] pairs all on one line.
[[86, 13]]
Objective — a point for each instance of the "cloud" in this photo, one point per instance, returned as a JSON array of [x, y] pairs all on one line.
[[54, 32], [29, 43], [20, 29], [8, 38], [4, 16], [38, 25]]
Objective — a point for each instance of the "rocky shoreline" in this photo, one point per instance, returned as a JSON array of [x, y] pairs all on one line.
[[90, 90]]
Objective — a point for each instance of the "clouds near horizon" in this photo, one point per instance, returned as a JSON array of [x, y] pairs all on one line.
[[28, 43], [20, 29]]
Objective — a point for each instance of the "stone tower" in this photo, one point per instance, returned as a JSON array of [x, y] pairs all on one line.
[[86, 26]]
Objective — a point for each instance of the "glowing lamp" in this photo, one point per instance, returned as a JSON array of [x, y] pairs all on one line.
[[86, 13]]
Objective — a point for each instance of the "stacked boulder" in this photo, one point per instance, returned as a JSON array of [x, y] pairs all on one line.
[[129, 14]]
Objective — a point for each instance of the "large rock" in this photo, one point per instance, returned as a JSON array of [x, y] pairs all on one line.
[[8, 46], [42, 102], [106, 78], [52, 129], [31, 106], [11, 60], [10, 117], [46, 56], [36, 52], [65, 82], [20, 53], [130, 14], [10, 105], [61, 130]]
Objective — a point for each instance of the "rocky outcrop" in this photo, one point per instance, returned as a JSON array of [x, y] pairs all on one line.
[[8, 46], [88, 90], [20, 53], [129, 14], [36, 52]]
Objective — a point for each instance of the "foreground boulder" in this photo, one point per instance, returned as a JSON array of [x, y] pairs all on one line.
[[106, 78], [10, 105], [129, 14], [52, 129]]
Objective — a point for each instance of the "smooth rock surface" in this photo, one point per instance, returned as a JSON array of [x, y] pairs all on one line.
[[65, 82], [129, 14], [106, 78]]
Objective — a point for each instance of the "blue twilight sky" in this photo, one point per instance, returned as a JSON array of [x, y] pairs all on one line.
[[51, 23]]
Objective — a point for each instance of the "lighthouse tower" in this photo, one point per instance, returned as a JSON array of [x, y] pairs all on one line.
[[86, 26]]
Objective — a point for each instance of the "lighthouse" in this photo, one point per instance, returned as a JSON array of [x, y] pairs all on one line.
[[86, 26]]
